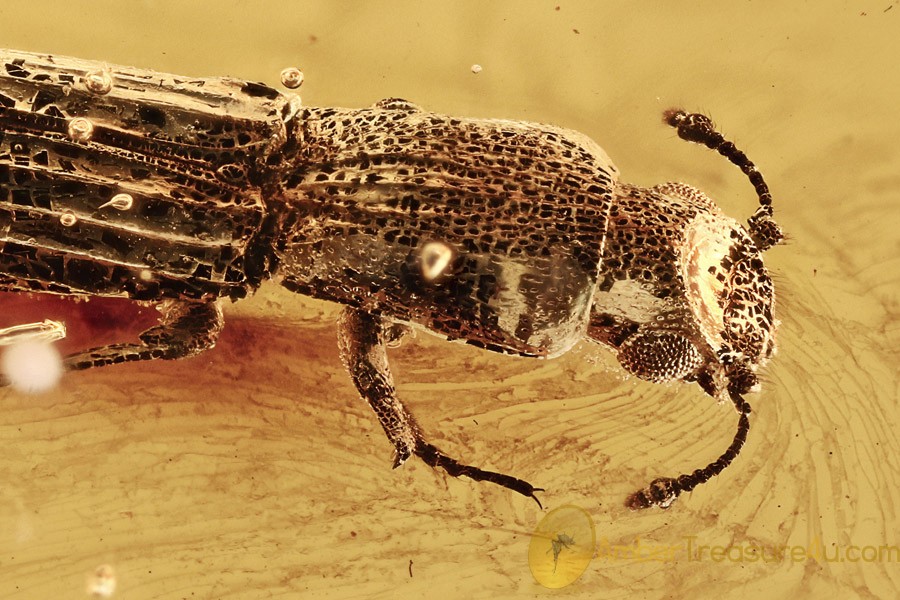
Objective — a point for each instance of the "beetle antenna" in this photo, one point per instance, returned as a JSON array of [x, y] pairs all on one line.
[[663, 491], [698, 128]]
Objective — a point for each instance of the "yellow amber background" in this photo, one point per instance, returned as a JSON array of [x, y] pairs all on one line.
[[253, 471]]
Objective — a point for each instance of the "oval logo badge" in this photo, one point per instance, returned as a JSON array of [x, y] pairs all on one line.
[[562, 546]]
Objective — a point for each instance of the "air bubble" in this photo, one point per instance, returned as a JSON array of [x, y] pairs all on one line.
[[67, 219], [32, 367], [435, 257], [80, 129], [292, 78], [98, 82], [102, 582], [120, 202]]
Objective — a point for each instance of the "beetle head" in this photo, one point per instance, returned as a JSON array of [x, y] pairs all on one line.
[[708, 317], [715, 325], [739, 294]]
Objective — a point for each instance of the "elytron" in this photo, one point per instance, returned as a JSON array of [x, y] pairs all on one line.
[[515, 237]]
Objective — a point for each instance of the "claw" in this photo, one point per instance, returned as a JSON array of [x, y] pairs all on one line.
[[435, 458], [400, 457]]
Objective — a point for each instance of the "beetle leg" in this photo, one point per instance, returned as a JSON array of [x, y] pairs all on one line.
[[363, 342], [185, 329]]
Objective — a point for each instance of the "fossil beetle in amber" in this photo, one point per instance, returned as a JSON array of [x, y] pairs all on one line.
[[515, 237]]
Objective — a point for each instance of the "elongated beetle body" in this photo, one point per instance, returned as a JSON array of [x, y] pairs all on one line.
[[515, 237]]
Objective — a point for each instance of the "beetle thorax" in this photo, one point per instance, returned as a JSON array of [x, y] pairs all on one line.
[[729, 291], [707, 242]]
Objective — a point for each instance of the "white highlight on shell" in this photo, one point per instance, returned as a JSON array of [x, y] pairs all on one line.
[[98, 82], [80, 129], [508, 300], [102, 582], [706, 242], [629, 299], [435, 257], [295, 105], [67, 219], [45, 331], [32, 367], [292, 78], [477, 69], [120, 202]]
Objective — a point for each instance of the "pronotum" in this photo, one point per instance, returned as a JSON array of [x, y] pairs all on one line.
[[514, 237]]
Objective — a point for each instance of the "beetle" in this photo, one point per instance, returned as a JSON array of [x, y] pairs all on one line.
[[515, 237]]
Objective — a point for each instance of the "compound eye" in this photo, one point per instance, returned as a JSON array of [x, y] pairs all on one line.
[[660, 356]]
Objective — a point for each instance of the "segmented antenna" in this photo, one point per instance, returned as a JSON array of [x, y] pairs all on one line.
[[663, 491], [698, 128]]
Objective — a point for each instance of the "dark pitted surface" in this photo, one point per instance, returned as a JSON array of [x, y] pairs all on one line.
[[190, 153], [522, 208]]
